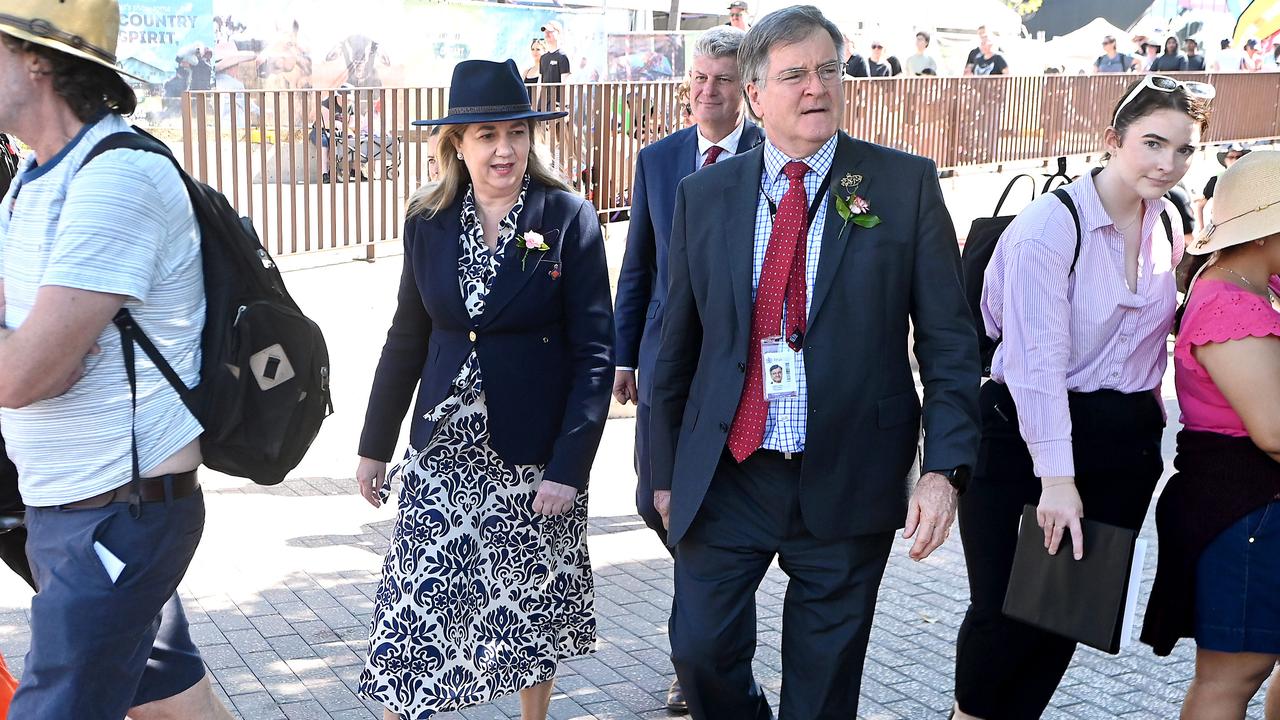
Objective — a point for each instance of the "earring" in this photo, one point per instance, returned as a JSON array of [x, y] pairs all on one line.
[[459, 156]]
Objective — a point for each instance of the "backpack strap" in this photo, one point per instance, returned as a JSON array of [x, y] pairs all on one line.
[[1168, 225], [1009, 188], [1065, 199]]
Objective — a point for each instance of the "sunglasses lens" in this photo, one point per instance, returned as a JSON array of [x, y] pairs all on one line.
[[1164, 83], [1201, 90]]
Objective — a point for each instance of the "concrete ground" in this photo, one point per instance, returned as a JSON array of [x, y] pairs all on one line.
[[280, 593]]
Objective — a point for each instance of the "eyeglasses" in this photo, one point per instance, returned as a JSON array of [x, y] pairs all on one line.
[[1166, 84], [828, 74]]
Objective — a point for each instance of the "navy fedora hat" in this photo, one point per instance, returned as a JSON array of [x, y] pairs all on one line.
[[487, 91]]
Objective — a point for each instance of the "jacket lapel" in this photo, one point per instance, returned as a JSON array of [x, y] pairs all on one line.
[[511, 276], [443, 248], [739, 227], [751, 137], [835, 232], [688, 161]]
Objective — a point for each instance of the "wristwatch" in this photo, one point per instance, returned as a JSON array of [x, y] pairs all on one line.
[[958, 477]]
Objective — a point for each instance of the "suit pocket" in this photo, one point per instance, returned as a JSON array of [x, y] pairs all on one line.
[[654, 306], [898, 409]]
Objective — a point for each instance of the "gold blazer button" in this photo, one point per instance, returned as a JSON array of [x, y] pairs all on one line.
[[473, 336]]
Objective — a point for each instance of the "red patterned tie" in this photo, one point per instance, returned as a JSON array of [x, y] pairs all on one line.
[[783, 276], [713, 154]]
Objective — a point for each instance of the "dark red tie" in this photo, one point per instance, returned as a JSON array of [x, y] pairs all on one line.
[[713, 153], [783, 276]]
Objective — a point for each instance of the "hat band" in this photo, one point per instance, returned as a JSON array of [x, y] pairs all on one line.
[[45, 29], [477, 109], [1208, 231]]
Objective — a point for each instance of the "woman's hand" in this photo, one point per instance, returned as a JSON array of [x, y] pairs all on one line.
[[554, 498], [1060, 510], [370, 475]]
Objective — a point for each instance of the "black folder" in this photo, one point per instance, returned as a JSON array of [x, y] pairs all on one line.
[[1085, 599]]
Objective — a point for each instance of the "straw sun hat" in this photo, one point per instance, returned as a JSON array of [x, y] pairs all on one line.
[[1246, 204], [86, 29]]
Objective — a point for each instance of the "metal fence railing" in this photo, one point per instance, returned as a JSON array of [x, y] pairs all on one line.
[[270, 151]]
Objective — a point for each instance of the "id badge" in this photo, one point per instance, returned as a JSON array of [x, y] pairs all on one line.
[[779, 366]]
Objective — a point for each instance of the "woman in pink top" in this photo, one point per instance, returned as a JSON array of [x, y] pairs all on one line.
[[1072, 418], [1218, 577]]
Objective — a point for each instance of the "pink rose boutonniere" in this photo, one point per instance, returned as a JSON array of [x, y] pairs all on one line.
[[852, 208], [529, 242]]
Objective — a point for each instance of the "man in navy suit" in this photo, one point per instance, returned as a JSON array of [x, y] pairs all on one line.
[[721, 132], [818, 253]]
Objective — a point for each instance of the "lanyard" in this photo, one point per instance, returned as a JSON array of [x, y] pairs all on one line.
[[813, 207]]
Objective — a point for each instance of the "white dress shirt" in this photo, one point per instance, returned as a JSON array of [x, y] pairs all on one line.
[[728, 146]]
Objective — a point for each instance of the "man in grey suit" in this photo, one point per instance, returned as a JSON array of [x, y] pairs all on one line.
[[815, 252]]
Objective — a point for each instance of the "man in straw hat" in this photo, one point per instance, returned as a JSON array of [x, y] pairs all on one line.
[[108, 634]]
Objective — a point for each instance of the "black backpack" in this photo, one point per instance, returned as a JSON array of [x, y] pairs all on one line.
[[264, 374], [980, 246]]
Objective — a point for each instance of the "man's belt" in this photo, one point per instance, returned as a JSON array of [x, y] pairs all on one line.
[[149, 490]]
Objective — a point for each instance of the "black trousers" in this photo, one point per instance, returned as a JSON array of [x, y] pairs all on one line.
[[750, 515], [644, 476], [1006, 669]]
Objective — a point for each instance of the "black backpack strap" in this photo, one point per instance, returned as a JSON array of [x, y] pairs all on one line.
[[1009, 188], [1168, 225], [1065, 199]]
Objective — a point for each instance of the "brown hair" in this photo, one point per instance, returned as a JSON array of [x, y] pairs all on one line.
[[1151, 101], [433, 198], [88, 88]]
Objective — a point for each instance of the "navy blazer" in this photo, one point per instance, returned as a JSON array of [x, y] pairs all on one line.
[[544, 341], [642, 283], [872, 286]]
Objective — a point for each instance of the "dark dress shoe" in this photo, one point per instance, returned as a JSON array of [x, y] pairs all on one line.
[[675, 699]]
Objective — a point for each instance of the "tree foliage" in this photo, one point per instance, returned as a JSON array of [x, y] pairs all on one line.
[[1024, 7]]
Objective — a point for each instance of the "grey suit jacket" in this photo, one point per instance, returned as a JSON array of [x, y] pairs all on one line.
[[872, 285]]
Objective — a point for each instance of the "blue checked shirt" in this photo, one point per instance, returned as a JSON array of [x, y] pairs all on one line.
[[784, 430]]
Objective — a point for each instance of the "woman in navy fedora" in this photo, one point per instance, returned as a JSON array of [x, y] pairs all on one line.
[[504, 324]]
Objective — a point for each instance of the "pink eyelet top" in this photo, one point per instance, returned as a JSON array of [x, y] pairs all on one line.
[[1219, 311]]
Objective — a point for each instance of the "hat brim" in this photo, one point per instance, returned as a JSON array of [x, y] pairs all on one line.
[[1255, 225], [1222, 155], [67, 49], [472, 118]]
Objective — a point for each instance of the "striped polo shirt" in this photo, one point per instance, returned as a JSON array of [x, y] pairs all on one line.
[[123, 225]]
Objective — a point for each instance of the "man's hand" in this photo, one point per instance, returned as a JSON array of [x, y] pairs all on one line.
[[624, 387], [1060, 511], [554, 498], [662, 503], [929, 515]]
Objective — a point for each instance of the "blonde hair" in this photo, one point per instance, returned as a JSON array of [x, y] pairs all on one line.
[[433, 198]]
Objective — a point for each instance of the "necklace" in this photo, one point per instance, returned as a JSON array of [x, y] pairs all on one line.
[[1129, 224], [1271, 297]]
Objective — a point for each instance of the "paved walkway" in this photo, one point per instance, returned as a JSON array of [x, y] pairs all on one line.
[[280, 594]]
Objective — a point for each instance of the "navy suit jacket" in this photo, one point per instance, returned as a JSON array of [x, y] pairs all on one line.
[[872, 286], [544, 340], [642, 283]]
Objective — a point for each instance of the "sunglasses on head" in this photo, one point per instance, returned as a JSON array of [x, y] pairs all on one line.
[[1166, 84]]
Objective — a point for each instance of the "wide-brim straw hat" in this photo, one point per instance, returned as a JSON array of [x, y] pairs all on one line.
[[486, 91], [1246, 204], [87, 29]]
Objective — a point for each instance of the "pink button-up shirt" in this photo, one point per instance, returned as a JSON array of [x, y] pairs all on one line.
[[1076, 333]]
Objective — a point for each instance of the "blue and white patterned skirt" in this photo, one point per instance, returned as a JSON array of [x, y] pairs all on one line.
[[480, 597]]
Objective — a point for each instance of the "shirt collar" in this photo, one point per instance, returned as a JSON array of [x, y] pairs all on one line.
[[1092, 213], [729, 144], [820, 162]]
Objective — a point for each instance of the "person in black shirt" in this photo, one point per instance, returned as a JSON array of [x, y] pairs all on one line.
[[880, 66], [554, 64], [989, 62], [976, 53], [1195, 61], [856, 65]]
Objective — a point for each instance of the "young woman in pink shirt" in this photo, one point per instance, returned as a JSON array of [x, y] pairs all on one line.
[[1218, 578], [1072, 417]]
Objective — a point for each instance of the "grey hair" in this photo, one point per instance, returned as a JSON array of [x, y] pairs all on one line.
[[719, 42], [782, 27]]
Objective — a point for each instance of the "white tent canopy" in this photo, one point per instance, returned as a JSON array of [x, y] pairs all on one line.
[[1078, 50]]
